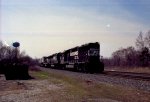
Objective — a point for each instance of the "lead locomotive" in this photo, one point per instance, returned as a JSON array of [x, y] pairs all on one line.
[[85, 58]]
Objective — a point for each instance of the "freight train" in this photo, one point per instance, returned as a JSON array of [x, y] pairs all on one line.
[[84, 58]]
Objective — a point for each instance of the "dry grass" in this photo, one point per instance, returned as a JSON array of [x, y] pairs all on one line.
[[130, 69]]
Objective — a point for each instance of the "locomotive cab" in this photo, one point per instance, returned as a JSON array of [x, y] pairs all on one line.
[[94, 63], [93, 60]]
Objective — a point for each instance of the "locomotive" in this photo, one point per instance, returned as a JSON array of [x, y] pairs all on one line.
[[85, 58]]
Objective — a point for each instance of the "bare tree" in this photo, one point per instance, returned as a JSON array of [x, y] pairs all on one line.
[[147, 39], [144, 57], [143, 45], [130, 56], [140, 41], [125, 57], [118, 57], [8, 53]]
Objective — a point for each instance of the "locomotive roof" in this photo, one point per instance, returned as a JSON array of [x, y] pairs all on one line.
[[75, 48], [84, 45]]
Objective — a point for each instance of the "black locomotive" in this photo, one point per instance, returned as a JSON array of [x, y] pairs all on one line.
[[85, 58]]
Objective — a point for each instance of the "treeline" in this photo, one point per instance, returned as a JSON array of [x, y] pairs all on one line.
[[138, 56], [11, 55]]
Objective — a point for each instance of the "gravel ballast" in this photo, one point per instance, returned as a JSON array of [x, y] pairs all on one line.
[[101, 78]]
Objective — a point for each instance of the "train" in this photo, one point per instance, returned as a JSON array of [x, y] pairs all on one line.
[[84, 58]]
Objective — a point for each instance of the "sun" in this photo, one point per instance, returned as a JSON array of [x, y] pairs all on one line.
[[108, 25]]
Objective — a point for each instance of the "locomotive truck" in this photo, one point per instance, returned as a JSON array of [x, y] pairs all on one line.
[[85, 58]]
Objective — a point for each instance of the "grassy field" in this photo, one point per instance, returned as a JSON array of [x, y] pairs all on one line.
[[76, 90]]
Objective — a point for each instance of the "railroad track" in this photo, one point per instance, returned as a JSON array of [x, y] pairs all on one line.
[[128, 75], [131, 75]]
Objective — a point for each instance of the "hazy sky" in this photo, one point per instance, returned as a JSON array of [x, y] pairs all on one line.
[[44, 27]]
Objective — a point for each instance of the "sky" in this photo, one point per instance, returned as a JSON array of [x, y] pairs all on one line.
[[45, 27]]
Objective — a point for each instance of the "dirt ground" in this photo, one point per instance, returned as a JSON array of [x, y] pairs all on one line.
[[26, 90], [37, 91]]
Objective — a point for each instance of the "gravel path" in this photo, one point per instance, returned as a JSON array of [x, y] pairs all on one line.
[[37, 91], [27, 90], [100, 78]]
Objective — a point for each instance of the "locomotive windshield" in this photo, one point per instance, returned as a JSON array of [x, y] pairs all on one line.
[[93, 52]]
